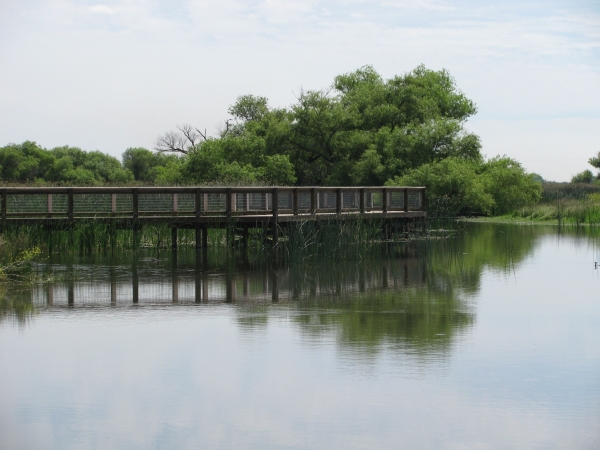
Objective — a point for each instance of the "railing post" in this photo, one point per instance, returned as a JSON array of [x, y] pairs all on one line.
[[175, 202], [295, 202], [313, 201], [197, 197], [362, 201], [135, 198], [70, 204], [384, 200], [197, 227], [405, 199], [338, 201], [275, 206], [49, 202], [228, 202], [423, 199], [275, 202], [3, 204]]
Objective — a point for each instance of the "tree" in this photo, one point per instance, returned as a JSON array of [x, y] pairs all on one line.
[[595, 161], [509, 184], [249, 108], [452, 179], [365, 122], [181, 141], [583, 177], [496, 186]]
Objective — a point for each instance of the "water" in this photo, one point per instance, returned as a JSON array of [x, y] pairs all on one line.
[[488, 339]]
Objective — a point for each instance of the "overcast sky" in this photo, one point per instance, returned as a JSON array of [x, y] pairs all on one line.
[[115, 74]]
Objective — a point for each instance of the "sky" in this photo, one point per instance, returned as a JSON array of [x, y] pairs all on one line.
[[109, 75]]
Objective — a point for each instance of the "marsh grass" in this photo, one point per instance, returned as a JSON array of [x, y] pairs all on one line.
[[334, 239], [348, 240], [563, 203], [584, 210]]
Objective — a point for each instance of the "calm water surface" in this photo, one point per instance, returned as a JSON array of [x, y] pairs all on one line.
[[489, 339]]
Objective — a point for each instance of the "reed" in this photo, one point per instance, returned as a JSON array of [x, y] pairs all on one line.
[[333, 239]]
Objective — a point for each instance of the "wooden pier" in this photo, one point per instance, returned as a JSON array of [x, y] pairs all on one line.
[[201, 208]]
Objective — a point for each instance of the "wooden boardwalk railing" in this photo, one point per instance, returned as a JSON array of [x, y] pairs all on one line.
[[208, 204]]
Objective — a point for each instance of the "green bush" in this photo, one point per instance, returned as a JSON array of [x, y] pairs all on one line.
[[497, 186]]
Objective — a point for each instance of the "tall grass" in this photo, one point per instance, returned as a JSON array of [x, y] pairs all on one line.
[[332, 239], [566, 203]]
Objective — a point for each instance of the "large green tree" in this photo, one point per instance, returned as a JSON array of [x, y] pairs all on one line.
[[362, 130]]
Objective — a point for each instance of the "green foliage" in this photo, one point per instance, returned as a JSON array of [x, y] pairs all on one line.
[[567, 191], [583, 177], [453, 178], [28, 162], [364, 130], [140, 162], [595, 161], [16, 258], [475, 187], [367, 130], [249, 108], [509, 185], [278, 171]]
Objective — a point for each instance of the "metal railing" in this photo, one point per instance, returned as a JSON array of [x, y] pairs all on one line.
[[134, 203]]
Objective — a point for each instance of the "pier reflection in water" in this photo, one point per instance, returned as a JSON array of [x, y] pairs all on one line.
[[401, 299], [147, 281]]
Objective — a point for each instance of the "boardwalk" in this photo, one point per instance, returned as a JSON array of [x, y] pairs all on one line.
[[201, 208]]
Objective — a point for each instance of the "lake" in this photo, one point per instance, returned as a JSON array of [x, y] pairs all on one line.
[[488, 337]]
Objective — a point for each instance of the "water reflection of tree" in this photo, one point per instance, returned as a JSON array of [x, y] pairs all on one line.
[[420, 316], [16, 306], [463, 258], [427, 313]]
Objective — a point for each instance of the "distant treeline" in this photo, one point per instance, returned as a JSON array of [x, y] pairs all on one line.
[[363, 130]]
